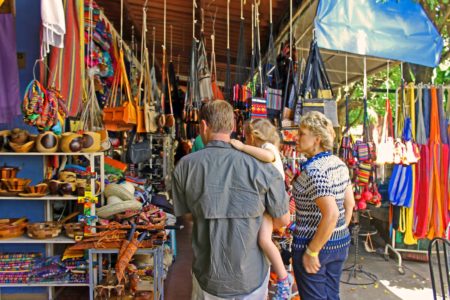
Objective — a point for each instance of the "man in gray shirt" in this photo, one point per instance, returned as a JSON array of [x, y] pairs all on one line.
[[227, 192]]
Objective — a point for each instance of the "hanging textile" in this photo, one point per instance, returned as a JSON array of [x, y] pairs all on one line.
[[204, 75], [437, 221], [67, 64], [53, 25], [409, 211], [9, 71], [217, 93], [422, 197], [445, 156]]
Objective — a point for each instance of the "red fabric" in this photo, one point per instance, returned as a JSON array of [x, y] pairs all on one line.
[[422, 200], [67, 64]]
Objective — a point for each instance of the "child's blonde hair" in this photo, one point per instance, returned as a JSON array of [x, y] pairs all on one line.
[[263, 130]]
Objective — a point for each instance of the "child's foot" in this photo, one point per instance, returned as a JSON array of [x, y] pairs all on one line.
[[283, 288]]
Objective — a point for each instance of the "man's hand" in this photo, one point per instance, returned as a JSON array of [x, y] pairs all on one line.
[[311, 264], [237, 144]]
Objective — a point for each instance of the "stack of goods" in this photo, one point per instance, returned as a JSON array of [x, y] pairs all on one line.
[[48, 270], [15, 267], [76, 266], [99, 48]]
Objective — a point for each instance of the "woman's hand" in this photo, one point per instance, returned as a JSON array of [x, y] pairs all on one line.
[[237, 144], [311, 264]]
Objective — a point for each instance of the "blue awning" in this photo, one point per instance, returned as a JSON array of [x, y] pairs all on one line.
[[396, 30]]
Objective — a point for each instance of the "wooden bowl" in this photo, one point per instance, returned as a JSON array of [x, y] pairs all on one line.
[[44, 230], [10, 228], [40, 188], [74, 229], [22, 148], [16, 184]]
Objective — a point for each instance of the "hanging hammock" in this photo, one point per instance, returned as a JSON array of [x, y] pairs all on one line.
[[422, 199]]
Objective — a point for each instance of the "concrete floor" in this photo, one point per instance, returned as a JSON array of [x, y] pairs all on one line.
[[414, 284]]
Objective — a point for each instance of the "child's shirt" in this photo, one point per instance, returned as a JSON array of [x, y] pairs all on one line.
[[277, 163]]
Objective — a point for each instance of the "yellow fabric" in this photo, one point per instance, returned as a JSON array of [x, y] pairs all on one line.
[[409, 212], [1, 2]]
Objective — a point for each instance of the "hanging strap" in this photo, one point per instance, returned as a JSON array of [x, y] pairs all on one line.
[[241, 58]]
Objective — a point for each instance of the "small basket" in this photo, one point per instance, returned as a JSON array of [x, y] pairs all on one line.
[[16, 184], [40, 188], [74, 229], [11, 228], [45, 230]]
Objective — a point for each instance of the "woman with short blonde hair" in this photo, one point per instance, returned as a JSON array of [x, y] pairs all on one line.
[[324, 204]]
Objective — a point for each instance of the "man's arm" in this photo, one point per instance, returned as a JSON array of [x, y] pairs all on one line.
[[178, 194], [277, 200]]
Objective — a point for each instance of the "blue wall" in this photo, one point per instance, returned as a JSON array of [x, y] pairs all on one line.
[[28, 21]]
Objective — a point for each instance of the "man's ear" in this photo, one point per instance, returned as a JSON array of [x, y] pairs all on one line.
[[203, 126]]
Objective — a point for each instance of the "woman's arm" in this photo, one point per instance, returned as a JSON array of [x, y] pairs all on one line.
[[330, 215], [349, 203], [259, 153]]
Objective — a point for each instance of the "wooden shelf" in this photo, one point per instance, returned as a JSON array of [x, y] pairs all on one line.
[[64, 198], [49, 154], [68, 198], [42, 284], [27, 240]]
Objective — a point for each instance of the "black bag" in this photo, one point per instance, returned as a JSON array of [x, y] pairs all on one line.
[[138, 152], [315, 92]]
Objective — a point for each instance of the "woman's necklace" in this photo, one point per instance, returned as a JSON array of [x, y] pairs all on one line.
[[310, 160]]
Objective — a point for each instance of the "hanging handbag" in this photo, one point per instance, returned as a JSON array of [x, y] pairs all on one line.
[[204, 75], [385, 148], [138, 152], [364, 172], [315, 91]]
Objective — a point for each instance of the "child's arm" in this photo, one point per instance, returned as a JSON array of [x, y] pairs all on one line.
[[259, 153]]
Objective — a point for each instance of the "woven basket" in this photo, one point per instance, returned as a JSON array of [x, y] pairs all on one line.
[[16, 184], [11, 228], [74, 229], [44, 230]]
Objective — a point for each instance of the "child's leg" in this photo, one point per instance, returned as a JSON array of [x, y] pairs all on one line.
[[269, 248]]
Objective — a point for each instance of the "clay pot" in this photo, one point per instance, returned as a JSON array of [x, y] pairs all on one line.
[[8, 172], [71, 142], [18, 136], [53, 187], [91, 141], [47, 142], [66, 188]]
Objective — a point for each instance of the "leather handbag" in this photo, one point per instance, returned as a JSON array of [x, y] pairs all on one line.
[[138, 152]]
